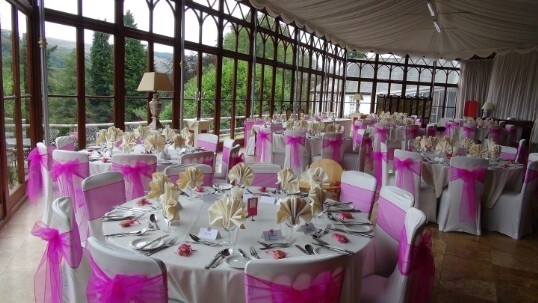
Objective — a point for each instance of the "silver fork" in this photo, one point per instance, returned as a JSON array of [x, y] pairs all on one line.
[[275, 245], [323, 232], [253, 252], [170, 243]]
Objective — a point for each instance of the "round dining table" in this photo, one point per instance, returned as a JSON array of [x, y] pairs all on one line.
[[189, 281]]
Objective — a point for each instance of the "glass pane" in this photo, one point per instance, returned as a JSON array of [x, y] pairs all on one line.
[[191, 18], [209, 32], [190, 70], [7, 60], [62, 116], [11, 144], [62, 61], [99, 9], [135, 66], [140, 12], [23, 55], [68, 6], [163, 20], [25, 104]]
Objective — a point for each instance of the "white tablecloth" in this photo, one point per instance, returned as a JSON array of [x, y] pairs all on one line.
[[497, 180], [189, 282]]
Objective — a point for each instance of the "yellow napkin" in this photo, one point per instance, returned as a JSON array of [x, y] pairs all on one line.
[[293, 209], [154, 142], [101, 137], [330, 128], [466, 143], [142, 132], [190, 177], [409, 121], [494, 151], [227, 211], [315, 177], [188, 136], [179, 141], [444, 148], [114, 133], [236, 193], [318, 196], [170, 202], [268, 118], [158, 180], [168, 133], [129, 142], [241, 174], [416, 143], [479, 150], [289, 124], [301, 124], [288, 180]]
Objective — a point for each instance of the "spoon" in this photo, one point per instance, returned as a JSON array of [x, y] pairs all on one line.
[[197, 239], [153, 220], [150, 225], [131, 233], [310, 249], [223, 253]]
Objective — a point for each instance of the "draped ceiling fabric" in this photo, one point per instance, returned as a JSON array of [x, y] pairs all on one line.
[[468, 28]]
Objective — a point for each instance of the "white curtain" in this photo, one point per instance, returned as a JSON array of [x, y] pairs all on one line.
[[513, 86], [474, 82]]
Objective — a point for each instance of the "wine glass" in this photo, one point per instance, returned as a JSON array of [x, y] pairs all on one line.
[[291, 227], [229, 227]]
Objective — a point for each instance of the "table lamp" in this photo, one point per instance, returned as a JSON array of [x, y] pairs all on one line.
[[487, 108], [358, 99], [155, 82]]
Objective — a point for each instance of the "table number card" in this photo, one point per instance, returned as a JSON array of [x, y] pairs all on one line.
[[252, 207], [308, 228], [272, 235], [208, 233]]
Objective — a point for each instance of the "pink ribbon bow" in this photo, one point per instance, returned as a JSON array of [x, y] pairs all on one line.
[[468, 196], [235, 160], [406, 168], [495, 134], [324, 289], [382, 132], [125, 288], [294, 149], [34, 188], [448, 128], [133, 175], [378, 158], [63, 174], [411, 132], [468, 132], [262, 146], [334, 145], [431, 131], [417, 261], [48, 278]]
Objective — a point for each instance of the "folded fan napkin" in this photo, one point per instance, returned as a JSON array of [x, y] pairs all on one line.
[[480, 122], [315, 177], [241, 174], [129, 142], [227, 211], [466, 143], [142, 132], [179, 141], [115, 133], [494, 151], [157, 184], [479, 150], [288, 180], [318, 196], [154, 142], [187, 135], [289, 124], [236, 193], [409, 121], [426, 143], [101, 137], [331, 128], [416, 143], [293, 209], [190, 177], [444, 148], [170, 202], [168, 133]]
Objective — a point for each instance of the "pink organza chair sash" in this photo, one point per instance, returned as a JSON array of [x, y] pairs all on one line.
[[382, 133], [68, 146], [104, 198], [405, 178], [63, 173], [391, 218], [418, 262], [362, 198], [294, 143], [334, 145], [378, 159], [125, 288], [235, 160], [448, 128], [411, 132], [48, 278], [469, 132], [468, 203], [207, 145], [495, 134], [263, 148], [225, 154], [34, 187], [431, 131], [507, 156], [522, 154], [324, 289], [133, 175]]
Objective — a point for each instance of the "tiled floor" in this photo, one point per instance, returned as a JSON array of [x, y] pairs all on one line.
[[490, 268]]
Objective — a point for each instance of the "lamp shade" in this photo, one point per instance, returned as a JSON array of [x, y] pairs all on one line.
[[153, 81], [488, 106], [358, 97]]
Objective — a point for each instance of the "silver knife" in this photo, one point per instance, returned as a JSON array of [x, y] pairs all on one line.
[[242, 253], [153, 241], [336, 249], [299, 247]]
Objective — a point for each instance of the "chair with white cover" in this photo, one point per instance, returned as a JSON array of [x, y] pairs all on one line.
[[295, 141], [387, 161], [208, 142], [39, 187], [65, 143], [382, 252], [63, 256], [508, 153], [173, 171], [431, 130], [137, 171], [227, 145], [101, 193], [264, 145], [205, 157], [469, 131], [412, 277], [512, 135], [113, 267], [411, 132], [362, 152], [320, 278], [533, 157], [408, 176], [460, 202], [522, 152], [495, 133], [265, 174], [359, 188], [512, 213], [331, 147]]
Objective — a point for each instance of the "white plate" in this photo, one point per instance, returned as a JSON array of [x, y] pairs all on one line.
[[236, 262], [359, 228], [138, 243], [119, 214], [223, 186]]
